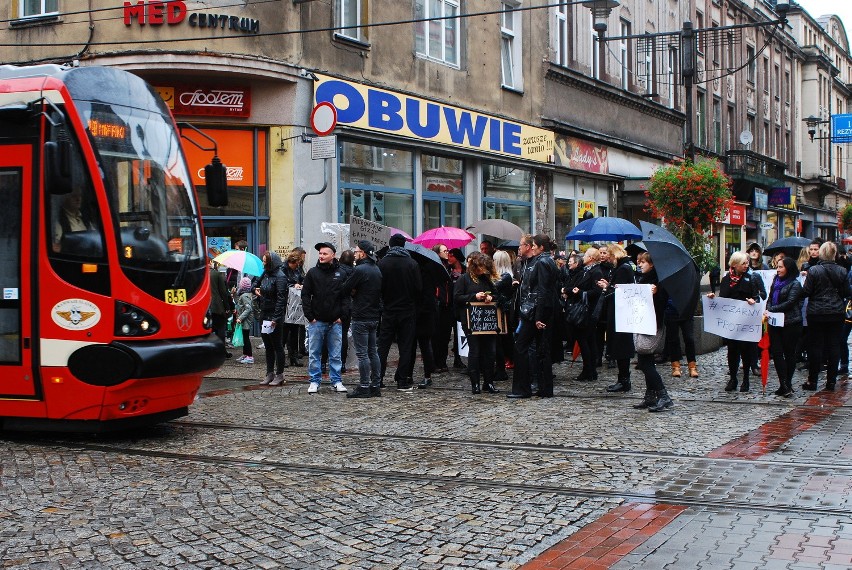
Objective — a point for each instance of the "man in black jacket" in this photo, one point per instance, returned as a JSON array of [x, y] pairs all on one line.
[[365, 286], [323, 306], [401, 291]]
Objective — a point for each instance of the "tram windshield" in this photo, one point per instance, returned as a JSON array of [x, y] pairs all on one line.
[[150, 195]]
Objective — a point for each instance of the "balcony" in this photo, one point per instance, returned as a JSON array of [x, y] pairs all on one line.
[[755, 169]]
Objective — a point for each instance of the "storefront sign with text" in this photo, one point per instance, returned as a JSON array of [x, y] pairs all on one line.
[[580, 155], [174, 12], [208, 101]]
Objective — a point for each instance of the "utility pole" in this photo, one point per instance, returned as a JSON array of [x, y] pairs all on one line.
[[687, 51]]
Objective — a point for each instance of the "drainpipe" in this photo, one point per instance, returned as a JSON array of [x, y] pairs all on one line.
[[306, 194]]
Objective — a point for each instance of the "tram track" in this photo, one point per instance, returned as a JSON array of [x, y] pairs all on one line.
[[656, 496]]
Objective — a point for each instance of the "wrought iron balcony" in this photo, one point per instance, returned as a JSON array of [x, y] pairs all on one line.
[[754, 168]]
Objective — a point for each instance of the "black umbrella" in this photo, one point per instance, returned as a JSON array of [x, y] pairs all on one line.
[[511, 244], [635, 248], [421, 253], [791, 246], [676, 270]]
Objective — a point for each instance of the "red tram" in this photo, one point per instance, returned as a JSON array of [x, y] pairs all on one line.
[[104, 317]]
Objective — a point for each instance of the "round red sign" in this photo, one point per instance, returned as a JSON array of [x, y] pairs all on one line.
[[324, 118]]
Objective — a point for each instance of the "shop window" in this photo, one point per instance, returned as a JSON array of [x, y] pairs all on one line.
[[507, 194], [443, 192], [437, 38], [244, 154], [376, 183]]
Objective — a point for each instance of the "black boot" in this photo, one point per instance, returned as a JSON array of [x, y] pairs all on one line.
[[744, 385], [375, 392], [490, 388], [649, 400], [295, 361], [732, 383], [360, 392], [663, 402], [474, 386], [623, 385]]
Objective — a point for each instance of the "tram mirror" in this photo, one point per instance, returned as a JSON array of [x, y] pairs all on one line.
[[57, 167], [216, 180]]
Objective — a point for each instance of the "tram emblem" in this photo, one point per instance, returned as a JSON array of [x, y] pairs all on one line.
[[184, 321], [75, 314]]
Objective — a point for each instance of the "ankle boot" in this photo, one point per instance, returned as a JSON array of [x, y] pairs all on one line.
[[649, 400], [474, 385], [270, 376], [744, 385], [732, 384], [623, 385], [490, 388], [675, 369], [663, 402], [278, 380], [693, 369]]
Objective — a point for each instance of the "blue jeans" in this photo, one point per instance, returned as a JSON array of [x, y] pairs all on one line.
[[364, 339], [329, 335]]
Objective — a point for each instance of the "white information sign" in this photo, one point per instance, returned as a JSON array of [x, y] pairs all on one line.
[[634, 309], [736, 320], [323, 147], [775, 319]]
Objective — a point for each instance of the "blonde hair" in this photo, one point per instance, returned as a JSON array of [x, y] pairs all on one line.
[[594, 253], [502, 262], [804, 256], [828, 251], [737, 258], [616, 251]]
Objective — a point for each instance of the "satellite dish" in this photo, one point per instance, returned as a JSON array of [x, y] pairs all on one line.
[[746, 138]]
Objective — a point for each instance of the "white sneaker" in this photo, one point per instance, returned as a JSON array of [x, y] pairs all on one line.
[[240, 360], [339, 387], [261, 346], [246, 360], [314, 388]]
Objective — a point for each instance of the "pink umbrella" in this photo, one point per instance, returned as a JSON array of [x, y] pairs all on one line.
[[399, 231], [450, 237]]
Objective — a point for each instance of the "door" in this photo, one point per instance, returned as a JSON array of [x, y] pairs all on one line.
[[17, 376]]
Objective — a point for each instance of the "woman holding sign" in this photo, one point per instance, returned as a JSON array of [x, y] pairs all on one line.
[[739, 284], [785, 296], [477, 286], [619, 344], [656, 397]]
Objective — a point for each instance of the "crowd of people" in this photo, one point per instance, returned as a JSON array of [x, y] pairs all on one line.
[[379, 298]]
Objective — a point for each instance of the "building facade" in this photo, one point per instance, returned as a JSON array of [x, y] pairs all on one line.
[[449, 111]]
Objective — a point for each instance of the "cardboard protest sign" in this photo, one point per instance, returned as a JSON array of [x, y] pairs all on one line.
[[486, 318], [634, 309], [732, 319], [359, 229]]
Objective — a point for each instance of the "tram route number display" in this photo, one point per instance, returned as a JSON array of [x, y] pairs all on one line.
[[486, 318]]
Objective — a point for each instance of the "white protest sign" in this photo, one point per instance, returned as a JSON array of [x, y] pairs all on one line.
[[736, 320], [359, 229], [775, 319], [768, 276], [463, 346], [634, 309]]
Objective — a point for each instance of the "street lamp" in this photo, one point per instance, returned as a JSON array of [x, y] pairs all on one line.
[[813, 122], [601, 9]]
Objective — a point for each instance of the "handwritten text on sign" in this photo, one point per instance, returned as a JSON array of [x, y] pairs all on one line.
[[359, 229], [486, 318], [736, 320], [634, 309]]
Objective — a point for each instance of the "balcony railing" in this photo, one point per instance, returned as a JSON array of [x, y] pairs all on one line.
[[757, 168]]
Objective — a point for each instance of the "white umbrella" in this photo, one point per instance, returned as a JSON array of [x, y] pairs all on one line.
[[498, 228]]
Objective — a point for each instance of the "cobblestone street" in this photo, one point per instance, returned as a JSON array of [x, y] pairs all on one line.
[[259, 477]]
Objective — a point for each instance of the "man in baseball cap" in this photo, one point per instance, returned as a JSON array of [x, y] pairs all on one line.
[[327, 244]]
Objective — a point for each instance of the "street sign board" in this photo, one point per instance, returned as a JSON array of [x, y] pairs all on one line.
[[841, 128], [324, 118], [323, 147]]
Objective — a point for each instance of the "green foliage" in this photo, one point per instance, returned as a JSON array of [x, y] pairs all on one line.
[[846, 218]]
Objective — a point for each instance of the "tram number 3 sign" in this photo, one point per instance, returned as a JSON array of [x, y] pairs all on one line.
[[486, 318], [175, 296]]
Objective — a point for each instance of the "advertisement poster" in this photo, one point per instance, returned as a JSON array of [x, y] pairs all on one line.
[[378, 207], [358, 206], [217, 245], [585, 210]]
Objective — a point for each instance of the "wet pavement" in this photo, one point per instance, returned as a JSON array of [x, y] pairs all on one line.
[[259, 477]]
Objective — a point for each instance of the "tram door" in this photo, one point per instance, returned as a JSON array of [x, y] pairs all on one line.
[[16, 339]]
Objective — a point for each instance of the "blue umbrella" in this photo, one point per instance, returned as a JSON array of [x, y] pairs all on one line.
[[604, 229]]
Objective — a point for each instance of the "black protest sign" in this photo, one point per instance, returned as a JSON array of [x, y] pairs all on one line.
[[486, 318]]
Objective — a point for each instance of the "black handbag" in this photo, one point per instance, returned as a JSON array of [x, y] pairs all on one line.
[[527, 308], [577, 314]]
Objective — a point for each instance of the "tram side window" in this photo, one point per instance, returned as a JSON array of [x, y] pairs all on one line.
[[73, 219]]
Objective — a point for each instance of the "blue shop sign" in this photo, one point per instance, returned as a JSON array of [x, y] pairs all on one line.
[[841, 128]]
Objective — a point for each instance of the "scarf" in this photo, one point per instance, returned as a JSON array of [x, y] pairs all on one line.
[[777, 285], [732, 275]]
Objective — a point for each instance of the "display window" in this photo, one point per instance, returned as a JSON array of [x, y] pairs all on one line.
[[507, 194]]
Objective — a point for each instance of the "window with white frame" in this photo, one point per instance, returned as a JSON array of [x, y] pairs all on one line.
[[350, 17], [561, 46], [34, 8], [671, 76], [624, 54], [510, 46], [436, 35]]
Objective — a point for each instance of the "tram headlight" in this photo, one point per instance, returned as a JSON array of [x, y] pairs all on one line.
[[133, 321]]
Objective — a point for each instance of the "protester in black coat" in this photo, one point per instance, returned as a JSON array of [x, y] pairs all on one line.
[[539, 291], [365, 286], [272, 290], [587, 282], [477, 285], [619, 345], [739, 284], [295, 276], [402, 289], [785, 296], [827, 290], [656, 397]]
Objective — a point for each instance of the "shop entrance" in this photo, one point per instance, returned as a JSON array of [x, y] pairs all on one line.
[[222, 236]]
